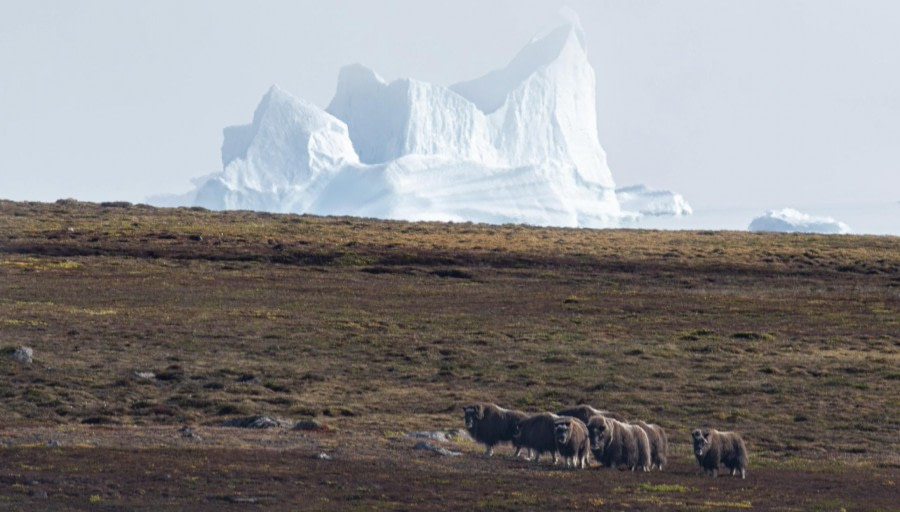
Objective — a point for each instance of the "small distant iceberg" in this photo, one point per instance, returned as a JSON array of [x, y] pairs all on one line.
[[655, 203], [789, 220]]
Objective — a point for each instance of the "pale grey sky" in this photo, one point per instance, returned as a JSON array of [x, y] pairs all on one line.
[[754, 104]]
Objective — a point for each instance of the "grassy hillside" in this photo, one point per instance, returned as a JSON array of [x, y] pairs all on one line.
[[379, 328]]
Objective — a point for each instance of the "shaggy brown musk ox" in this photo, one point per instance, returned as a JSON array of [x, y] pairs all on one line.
[[659, 443], [713, 448], [491, 425], [615, 444], [572, 441], [586, 412], [538, 434]]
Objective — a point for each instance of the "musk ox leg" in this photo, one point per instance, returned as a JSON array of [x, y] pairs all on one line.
[[518, 451], [714, 473], [743, 473], [555, 458], [488, 450]]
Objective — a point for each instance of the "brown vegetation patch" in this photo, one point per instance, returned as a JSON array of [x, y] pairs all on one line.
[[386, 327]]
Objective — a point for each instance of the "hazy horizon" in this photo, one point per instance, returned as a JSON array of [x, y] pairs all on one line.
[[741, 105]]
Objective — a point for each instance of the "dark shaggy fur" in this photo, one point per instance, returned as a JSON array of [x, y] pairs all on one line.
[[659, 444], [572, 441], [537, 433], [617, 444], [713, 448], [491, 425], [586, 412]]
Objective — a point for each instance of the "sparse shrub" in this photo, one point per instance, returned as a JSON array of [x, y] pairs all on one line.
[[164, 410], [647, 486], [696, 334], [170, 375], [453, 273], [115, 204], [752, 336], [99, 420], [229, 409], [274, 386]]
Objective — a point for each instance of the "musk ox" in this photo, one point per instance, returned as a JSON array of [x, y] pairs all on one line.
[[572, 441], [713, 448], [586, 412], [538, 434], [659, 443], [617, 444], [491, 425]]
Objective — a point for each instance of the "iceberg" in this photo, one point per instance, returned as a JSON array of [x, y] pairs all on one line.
[[651, 202], [789, 220], [518, 145]]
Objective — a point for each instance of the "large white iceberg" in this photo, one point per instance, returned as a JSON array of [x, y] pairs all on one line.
[[789, 220], [518, 145]]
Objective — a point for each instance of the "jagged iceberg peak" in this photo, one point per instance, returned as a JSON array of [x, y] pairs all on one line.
[[489, 92], [281, 119], [356, 77], [409, 117], [289, 144], [518, 145], [544, 104], [540, 108], [568, 15]]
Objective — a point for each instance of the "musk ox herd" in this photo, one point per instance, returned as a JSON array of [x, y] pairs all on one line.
[[579, 432]]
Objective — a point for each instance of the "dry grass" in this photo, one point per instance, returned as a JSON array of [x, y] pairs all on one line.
[[383, 327]]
